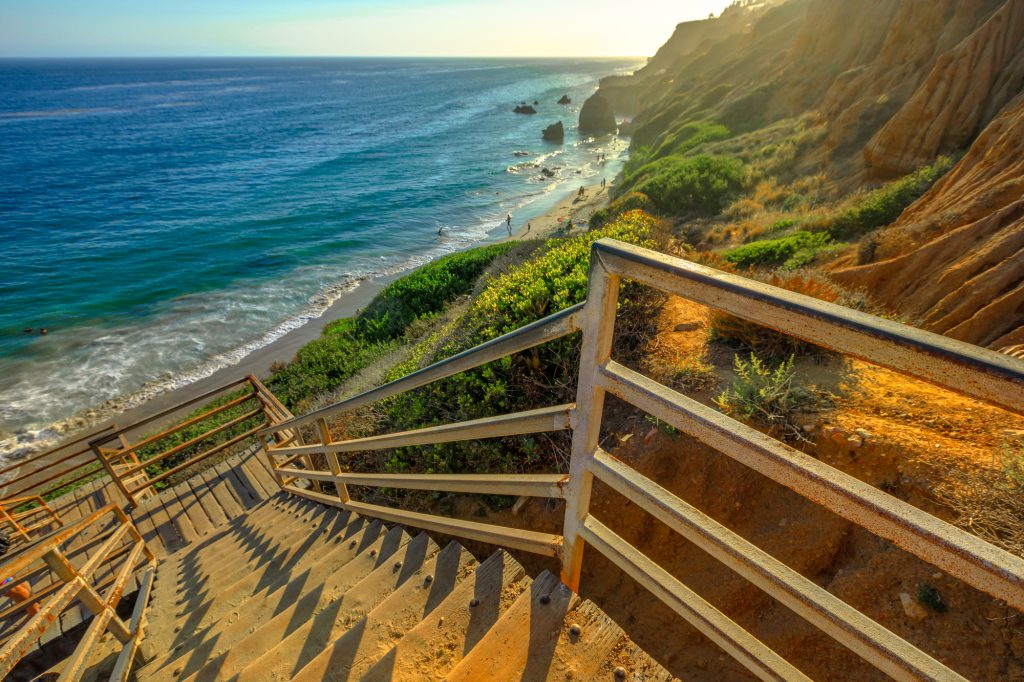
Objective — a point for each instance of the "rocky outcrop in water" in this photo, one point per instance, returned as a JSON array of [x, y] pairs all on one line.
[[564, 99], [554, 133], [524, 108], [596, 116]]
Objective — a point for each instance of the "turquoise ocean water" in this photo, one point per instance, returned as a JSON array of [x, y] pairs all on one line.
[[163, 218]]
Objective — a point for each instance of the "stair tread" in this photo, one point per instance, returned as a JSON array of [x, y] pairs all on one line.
[[521, 644], [435, 645], [360, 647], [240, 620], [290, 654], [300, 616]]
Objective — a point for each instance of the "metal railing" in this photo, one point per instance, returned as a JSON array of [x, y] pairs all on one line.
[[55, 576], [130, 464], [48, 473], [976, 372]]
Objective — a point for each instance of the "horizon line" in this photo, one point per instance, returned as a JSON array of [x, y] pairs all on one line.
[[325, 56]]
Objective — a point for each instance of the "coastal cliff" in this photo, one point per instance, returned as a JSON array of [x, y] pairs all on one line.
[[851, 97]]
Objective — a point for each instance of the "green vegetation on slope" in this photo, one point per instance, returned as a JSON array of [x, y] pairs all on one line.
[[552, 280], [681, 185], [349, 345]]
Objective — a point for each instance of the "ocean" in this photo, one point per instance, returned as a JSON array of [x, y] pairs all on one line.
[[162, 218]]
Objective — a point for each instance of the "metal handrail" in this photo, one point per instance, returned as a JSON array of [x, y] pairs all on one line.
[[972, 371]]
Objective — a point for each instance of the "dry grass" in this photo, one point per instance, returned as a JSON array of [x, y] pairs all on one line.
[[989, 502]]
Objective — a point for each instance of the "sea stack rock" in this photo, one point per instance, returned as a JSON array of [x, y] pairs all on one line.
[[554, 133], [524, 108], [565, 100], [596, 116]]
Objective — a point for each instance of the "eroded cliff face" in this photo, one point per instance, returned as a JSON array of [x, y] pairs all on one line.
[[955, 259], [968, 84], [915, 34]]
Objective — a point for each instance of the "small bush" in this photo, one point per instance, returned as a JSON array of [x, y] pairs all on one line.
[[698, 184], [790, 251], [632, 201], [883, 205], [349, 345], [765, 393], [690, 135]]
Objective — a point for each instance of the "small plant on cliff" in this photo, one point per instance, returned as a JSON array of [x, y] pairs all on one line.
[[768, 394], [928, 595]]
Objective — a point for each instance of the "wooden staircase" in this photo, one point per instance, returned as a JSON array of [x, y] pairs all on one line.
[[297, 590]]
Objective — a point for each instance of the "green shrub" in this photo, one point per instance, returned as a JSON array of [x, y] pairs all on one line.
[[697, 184], [883, 205], [552, 280], [928, 595], [791, 251], [425, 291], [768, 394], [633, 201], [690, 135], [349, 345]]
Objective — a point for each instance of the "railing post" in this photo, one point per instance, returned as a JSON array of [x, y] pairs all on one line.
[[270, 460], [332, 459], [92, 600], [113, 474], [598, 326]]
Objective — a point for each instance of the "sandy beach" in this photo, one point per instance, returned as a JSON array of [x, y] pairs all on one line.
[[260, 361]]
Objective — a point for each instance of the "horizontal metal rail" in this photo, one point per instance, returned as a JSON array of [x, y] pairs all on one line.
[[525, 540], [966, 556], [545, 419], [965, 368], [72, 583], [753, 654], [547, 329], [525, 485], [850, 627]]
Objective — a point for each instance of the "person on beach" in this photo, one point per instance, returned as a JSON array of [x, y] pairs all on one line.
[[527, 228], [508, 222], [581, 192]]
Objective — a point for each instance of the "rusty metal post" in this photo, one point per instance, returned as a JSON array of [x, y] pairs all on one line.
[[94, 445], [598, 328], [332, 459]]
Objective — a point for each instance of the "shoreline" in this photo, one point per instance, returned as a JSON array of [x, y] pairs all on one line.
[[283, 349]]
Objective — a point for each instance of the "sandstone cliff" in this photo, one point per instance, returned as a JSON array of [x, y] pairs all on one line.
[[955, 259], [966, 87]]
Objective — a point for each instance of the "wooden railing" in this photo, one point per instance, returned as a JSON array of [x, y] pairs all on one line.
[[134, 465], [972, 371], [23, 516], [55, 576], [48, 473]]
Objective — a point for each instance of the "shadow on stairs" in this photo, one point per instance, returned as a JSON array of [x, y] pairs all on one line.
[[297, 590]]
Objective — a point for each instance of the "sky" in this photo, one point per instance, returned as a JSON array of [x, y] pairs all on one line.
[[486, 28]]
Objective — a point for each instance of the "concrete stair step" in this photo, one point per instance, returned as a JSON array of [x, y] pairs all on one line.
[[290, 654], [438, 642], [215, 633], [356, 651]]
